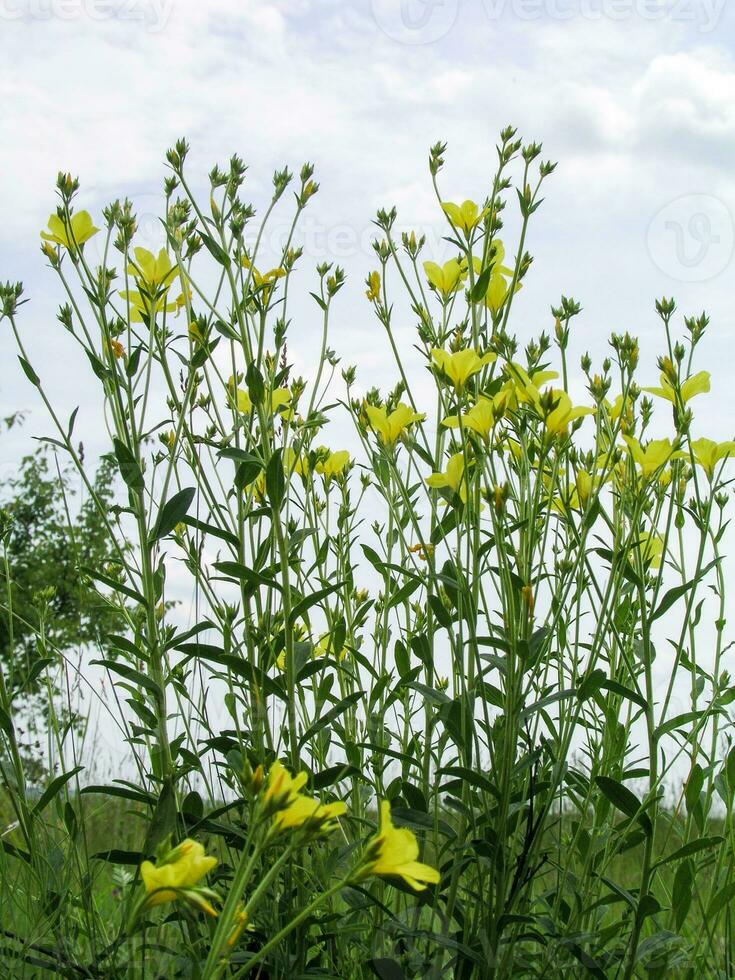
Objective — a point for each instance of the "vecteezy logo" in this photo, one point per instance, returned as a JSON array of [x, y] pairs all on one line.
[[692, 238], [415, 21]]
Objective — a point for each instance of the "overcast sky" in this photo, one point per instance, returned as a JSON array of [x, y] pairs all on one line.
[[634, 98]]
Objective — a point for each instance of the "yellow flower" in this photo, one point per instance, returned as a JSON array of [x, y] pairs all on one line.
[[521, 388], [373, 286], [151, 270], [293, 809], [325, 646], [652, 549], [577, 495], [282, 787], [465, 216], [258, 487], [480, 418], [141, 306], [497, 287], [197, 335], [264, 281], [460, 365], [71, 235], [392, 853], [558, 419], [240, 922], [293, 463], [154, 276], [696, 385], [305, 810], [653, 456], [389, 428], [496, 258], [446, 278], [619, 407], [708, 453], [280, 398], [584, 483], [244, 404], [453, 477], [177, 874], [333, 465]]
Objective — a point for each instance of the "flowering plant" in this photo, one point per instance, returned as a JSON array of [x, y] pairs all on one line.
[[422, 716]]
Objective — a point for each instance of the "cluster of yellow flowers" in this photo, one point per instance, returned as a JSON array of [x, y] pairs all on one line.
[[555, 409], [391, 853]]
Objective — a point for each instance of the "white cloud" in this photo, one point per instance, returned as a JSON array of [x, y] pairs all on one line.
[[637, 113]]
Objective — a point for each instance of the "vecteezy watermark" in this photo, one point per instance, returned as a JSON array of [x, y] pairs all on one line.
[[704, 14], [153, 15], [415, 21], [424, 21], [692, 238]]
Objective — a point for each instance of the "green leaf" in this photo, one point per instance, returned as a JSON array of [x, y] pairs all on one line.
[[98, 367], [678, 722], [247, 472], [255, 383], [430, 694], [471, 776], [625, 692], [275, 480], [329, 717], [256, 678], [718, 901], [216, 532], [215, 249], [120, 857], [374, 558], [481, 284], [235, 569], [130, 674], [121, 792], [53, 788], [647, 905], [163, 821], [129, 469], [29, 372], [403, 594], [591, 684], [681, 892], [547, 700], [72, 420], [624, 800], [335, 774], [311, 600], [386, 969], [113, 584], [693, 847], [6, 723], [673, 595], [131, 368], [172, 513]]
